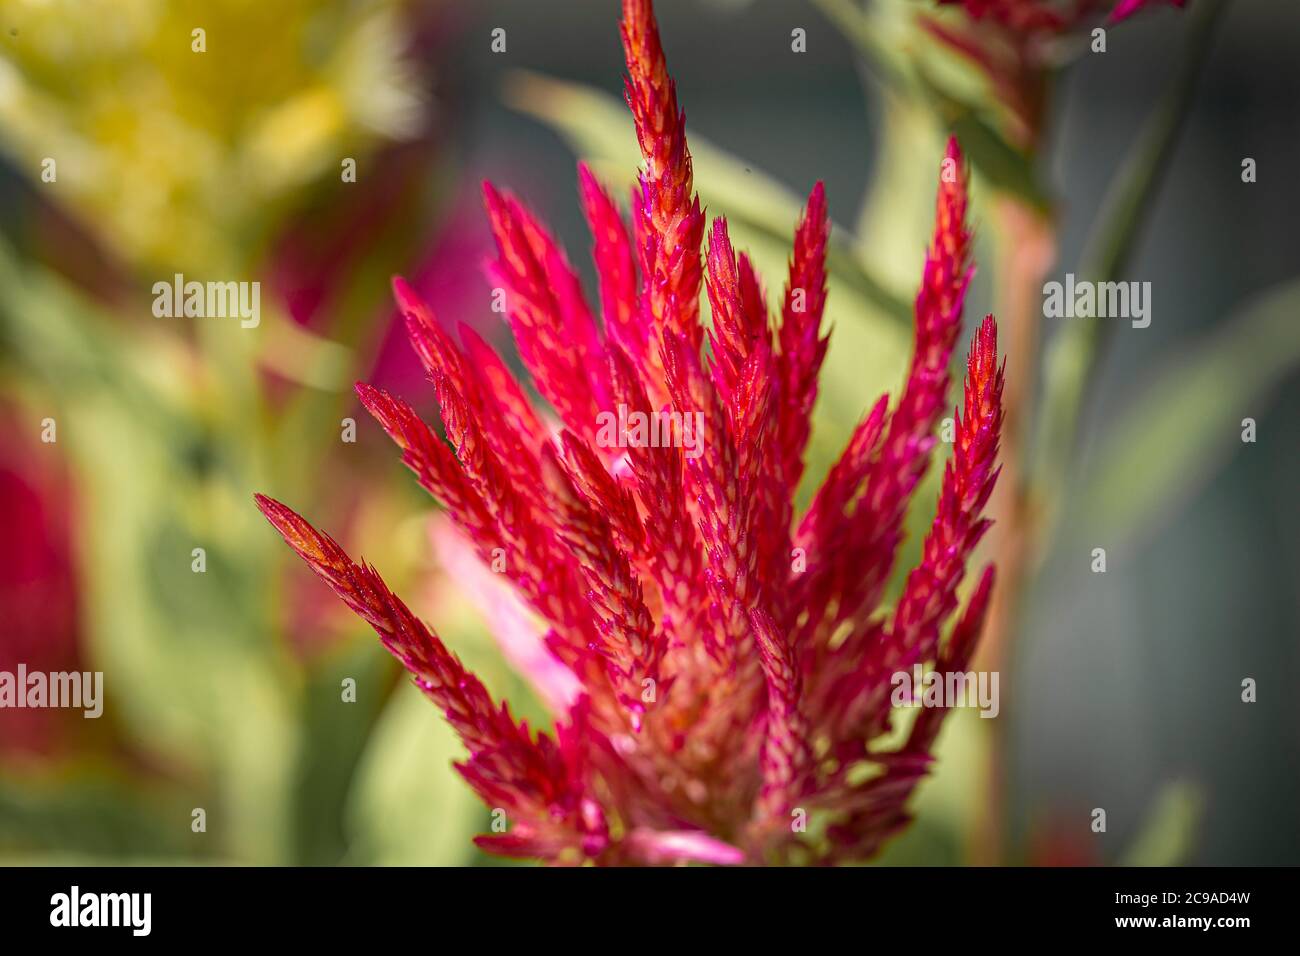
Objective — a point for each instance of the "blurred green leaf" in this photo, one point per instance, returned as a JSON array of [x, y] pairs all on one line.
[[1192, 413], [409, 807], [897, 215], [192, 673], [335, 733], [1001, 164], [54, 336], [1168, 835], [85, 809]]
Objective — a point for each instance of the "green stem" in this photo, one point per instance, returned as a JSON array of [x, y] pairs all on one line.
[[1076, 355]]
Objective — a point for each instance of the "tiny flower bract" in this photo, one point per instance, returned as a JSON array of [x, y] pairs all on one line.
[[729, 694]]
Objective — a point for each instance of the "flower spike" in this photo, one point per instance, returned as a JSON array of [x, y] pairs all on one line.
[[507, 766], [669, 222], [718, 667], [802, 347]]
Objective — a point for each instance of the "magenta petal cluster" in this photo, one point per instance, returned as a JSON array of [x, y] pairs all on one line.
[[1053, 16], [732, 659]]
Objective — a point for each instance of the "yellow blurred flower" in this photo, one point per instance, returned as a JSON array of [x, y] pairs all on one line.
[[177, 148]]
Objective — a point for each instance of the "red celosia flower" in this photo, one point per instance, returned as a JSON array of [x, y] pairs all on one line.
[[733, 665], [1011, 40], [1052, 15]]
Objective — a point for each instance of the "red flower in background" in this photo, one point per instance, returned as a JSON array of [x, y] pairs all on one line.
[[1126, 8], [1053, 16], [38, 592], [731, 664], [1010, 41]]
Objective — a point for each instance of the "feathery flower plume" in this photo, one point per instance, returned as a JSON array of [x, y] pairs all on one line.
[[712, 693]]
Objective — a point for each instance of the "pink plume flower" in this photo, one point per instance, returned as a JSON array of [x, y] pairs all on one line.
[[720, 669]]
